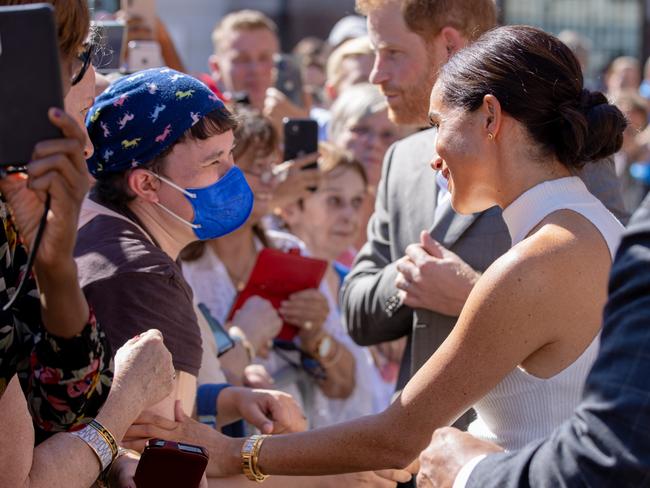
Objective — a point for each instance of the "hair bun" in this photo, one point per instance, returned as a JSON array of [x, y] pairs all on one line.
[[589, 99], [605, 126]]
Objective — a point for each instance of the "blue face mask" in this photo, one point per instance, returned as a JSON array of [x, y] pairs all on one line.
[[219, 208]]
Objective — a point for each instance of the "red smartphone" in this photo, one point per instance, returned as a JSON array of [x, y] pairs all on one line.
[[168, 464]]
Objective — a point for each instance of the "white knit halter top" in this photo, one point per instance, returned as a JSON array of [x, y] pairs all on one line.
[[522, 407]]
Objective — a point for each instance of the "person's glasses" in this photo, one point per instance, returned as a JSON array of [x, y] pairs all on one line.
[[83, 62], [308, 363]]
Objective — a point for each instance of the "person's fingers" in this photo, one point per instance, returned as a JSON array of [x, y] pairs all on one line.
[[179, 414], [417, 254], [147, 418], [302, 161], [136, 445], [413, 299], [254, 414], [67, 125], [53, 165], [430, 245], [52, 183], [422, 481], [309, 293], [402, 283], [408, 269], [396, 475], [305, 311]]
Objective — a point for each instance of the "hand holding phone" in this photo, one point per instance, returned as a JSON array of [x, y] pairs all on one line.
[[288, 78], [300, 139], [168, 464]]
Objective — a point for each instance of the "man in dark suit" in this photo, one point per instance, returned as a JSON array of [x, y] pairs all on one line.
[[387, 295], [607, 441]]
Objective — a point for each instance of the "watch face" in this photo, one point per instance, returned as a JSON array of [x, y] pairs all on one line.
[[325, 346]]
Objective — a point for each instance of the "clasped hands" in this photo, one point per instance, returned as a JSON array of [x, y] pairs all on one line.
[[272, 412], [433, 278], [449, 450]]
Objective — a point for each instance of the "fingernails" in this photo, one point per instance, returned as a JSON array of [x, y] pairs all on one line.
[[56, 113]]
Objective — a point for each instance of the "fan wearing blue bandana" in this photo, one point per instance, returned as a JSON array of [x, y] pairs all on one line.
[[165, 177]]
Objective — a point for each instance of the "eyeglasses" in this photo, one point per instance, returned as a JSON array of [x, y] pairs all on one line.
[[83, 60], [308, 363]]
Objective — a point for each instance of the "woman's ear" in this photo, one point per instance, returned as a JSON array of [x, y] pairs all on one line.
[[144, 184], [492, 115]]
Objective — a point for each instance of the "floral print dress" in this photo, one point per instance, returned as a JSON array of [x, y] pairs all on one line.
[[64, 380]]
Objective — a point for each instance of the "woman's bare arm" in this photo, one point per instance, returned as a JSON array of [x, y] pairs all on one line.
[[506, 319]]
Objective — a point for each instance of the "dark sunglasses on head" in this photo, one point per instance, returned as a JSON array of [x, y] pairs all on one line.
[[308, 363], [84, 58]]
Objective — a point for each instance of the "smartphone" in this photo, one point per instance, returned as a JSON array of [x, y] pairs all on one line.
[[109, 58], [143, 55], [300, 139], [30, 82], [145, 9], [167, 464], [288, 78], [221, 336]]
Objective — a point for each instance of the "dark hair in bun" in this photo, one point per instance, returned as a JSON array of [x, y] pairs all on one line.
[[538, 81]]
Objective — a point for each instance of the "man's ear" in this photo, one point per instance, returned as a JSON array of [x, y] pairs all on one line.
[[454, 40], [144, 185]]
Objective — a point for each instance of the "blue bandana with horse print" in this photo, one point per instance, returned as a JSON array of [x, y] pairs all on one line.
[[141, 115]]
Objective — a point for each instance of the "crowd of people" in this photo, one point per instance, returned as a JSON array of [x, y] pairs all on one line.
[[468, 200]]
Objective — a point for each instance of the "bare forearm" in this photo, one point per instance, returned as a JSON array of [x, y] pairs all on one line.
[[234, 363], [63, 305], [61, 461], [365, 444], [341, 379]]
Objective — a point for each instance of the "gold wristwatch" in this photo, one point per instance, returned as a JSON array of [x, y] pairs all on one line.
[[250, 452]]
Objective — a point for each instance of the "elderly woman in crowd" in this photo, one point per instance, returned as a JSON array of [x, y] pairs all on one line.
[[327, 222], [360, 125]]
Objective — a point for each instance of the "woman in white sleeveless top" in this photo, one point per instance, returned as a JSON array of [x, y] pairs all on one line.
[[513, 124]]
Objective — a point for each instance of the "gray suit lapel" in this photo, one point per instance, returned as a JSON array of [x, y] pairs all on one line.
[[449, 226]]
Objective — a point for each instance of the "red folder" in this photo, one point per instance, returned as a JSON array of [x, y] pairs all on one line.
[[276, 276]]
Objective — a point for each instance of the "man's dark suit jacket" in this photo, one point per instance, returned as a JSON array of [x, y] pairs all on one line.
[[607, 441]]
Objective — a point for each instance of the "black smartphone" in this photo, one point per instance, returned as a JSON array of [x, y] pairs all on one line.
[[109, 58], [224, 341], [31, 80], [300, 139], [167, 464], [288, 78]]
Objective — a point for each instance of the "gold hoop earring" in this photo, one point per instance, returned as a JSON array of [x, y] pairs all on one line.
[[490, 136]]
